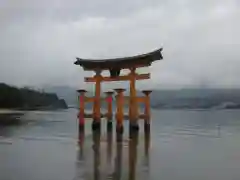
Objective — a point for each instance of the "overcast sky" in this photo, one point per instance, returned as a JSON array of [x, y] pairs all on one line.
[[39, 40]]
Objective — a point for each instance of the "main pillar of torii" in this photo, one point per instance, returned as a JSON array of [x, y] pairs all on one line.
[[114, 66]]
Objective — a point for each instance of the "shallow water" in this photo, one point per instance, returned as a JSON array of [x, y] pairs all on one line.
[[183, 145]]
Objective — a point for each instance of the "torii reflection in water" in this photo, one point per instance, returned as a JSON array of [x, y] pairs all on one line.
[[147, 140], [81, 138], [118, 165], [116, 175], [80, 156], [132, 150]]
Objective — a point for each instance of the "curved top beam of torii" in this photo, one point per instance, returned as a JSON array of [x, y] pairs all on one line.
[[116, 64]]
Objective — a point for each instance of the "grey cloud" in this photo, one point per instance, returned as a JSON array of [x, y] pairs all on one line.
[[40, 40]]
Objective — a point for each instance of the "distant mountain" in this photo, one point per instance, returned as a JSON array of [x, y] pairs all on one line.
[[196, 98], [171, 99], [67, 93], [28, 99]]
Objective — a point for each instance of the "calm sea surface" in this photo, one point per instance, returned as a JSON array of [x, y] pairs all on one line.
[[183, 145]]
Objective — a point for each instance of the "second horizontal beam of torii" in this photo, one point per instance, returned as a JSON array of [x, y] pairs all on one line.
[[139, 99], [118, 78], [91, 99]]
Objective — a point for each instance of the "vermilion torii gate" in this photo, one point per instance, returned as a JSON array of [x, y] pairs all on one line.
[[114, 66]]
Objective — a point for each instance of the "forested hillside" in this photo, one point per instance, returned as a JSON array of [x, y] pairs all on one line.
[[25, 98]]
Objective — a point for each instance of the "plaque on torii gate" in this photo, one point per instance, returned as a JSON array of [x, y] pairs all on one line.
[[114, 66]]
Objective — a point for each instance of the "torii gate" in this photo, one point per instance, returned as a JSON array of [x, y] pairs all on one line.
[[114, 66]]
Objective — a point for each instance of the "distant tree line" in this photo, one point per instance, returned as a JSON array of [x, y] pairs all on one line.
[[26, 98]]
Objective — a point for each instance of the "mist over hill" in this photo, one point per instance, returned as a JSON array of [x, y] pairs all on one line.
[[170, 99]]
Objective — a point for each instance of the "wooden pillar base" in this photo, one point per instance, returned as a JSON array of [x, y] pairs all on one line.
[[80, 137], [81, 122], [109, 117], [119, 136], [133, 134], [96, 125], [146, 127], [119, 129], [81, 127], [109, 126], [133, 127]]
